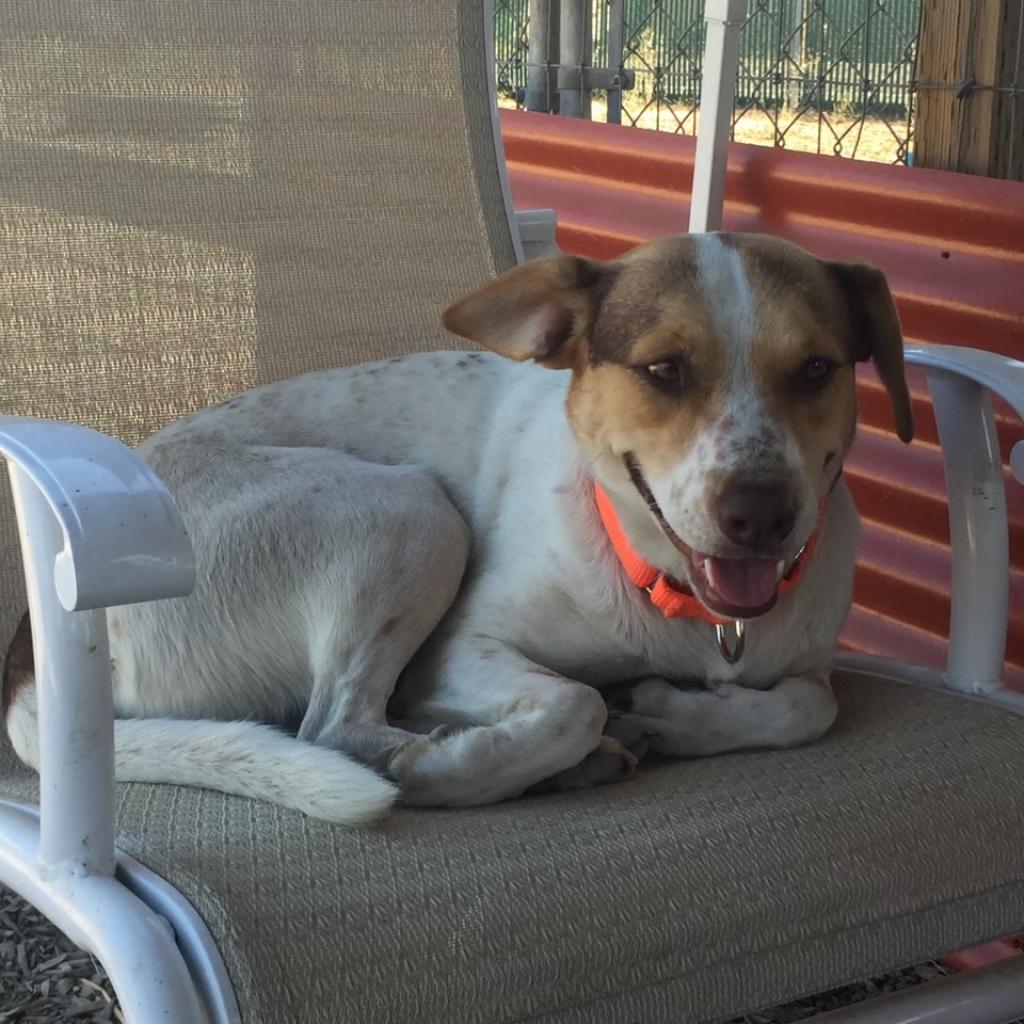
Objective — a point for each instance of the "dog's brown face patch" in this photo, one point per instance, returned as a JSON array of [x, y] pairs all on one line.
[[801, 353], [661, 309], [706, 360], [617, 404]]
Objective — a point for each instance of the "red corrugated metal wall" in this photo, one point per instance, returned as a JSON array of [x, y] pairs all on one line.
[[953, 248]]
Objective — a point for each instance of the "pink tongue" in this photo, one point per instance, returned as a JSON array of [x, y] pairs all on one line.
[[743, 582]]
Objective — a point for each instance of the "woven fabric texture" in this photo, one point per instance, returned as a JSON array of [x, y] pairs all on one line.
[[199, 196], [694, 891]]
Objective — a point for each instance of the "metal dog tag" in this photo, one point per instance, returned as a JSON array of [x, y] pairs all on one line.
[[732, 637]]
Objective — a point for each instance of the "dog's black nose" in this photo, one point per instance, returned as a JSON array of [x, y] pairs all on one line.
[[756, 514]]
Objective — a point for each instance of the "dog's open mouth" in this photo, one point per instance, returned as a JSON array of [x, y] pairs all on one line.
[[736, 588], [741, 588]]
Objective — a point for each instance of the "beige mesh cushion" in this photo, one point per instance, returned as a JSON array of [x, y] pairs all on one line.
[[197, 196], [694, 891]]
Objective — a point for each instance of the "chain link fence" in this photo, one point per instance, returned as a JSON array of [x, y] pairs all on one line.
[[824, 76]]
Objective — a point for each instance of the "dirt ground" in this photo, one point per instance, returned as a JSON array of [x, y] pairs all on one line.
[[833, 134]]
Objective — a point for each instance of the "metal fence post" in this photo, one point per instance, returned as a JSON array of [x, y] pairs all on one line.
[[542, 61], [616, 33], [796, 29], [725, 18], [575, 44]]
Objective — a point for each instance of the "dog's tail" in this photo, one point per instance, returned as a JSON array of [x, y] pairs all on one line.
[[243, 758]]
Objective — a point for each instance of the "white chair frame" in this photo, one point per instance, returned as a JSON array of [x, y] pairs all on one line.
[[99, 529]]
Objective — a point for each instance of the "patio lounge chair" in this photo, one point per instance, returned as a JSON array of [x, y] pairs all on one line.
[[199, 196]]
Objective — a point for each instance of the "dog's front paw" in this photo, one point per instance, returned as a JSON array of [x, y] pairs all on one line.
[[609, 761], [400, 763], [631, 732]]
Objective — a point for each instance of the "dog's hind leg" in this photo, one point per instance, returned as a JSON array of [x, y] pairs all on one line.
[[368, 628], [320, 574]]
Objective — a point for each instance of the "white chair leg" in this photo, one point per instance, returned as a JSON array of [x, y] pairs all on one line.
[[135, 945], [987, 995], [192, 942]]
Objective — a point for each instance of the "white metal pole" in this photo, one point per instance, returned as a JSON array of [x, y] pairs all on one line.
[[724, 19], [74, 701], [985, 995]]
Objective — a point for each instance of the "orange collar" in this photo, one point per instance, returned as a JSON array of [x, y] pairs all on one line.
[[675, 600]]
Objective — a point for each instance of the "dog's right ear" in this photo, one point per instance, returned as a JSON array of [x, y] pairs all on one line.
[[541, 310]]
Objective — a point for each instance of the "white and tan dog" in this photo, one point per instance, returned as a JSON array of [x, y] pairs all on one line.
[[405, 562]]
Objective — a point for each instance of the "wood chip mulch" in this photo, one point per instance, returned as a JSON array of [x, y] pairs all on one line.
[[44, 977], [801, 1009]]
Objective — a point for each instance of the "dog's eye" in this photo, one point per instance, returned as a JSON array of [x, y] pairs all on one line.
[[665, 371], [816, 370]]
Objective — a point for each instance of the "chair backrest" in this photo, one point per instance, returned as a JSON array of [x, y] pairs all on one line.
[[199, 196]]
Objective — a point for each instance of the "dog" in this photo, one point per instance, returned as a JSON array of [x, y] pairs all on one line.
[[423, 577]]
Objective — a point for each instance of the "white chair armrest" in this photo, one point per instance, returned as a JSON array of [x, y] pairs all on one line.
[[123, 538], [97, 529], [959, 380], [537, 233], [1001, 375]]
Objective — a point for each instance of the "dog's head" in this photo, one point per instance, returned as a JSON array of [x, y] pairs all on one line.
[[713, 391]]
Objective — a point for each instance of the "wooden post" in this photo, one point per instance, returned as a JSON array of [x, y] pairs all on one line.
[[968, 63]]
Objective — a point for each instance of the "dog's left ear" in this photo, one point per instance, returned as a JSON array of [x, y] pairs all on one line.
[[875, 334], [540, 310]]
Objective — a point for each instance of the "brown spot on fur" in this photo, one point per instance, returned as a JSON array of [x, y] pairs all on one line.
[[653, 310], [524, 705], [19, 665], [788, 268], [800, 317], [390, 626], [613, 409], [634, 301], [808, 307]]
